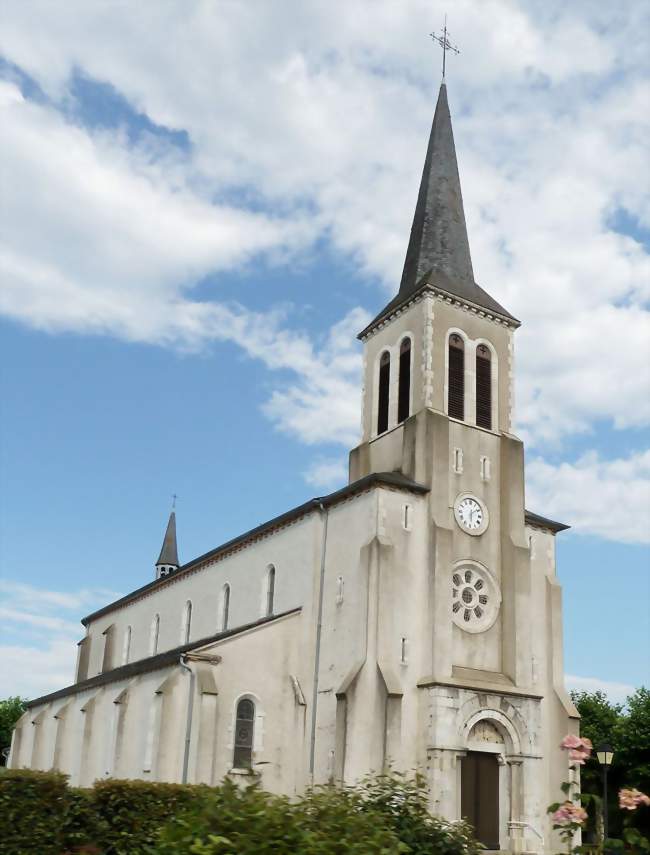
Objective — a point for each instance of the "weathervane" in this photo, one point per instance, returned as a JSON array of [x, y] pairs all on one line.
[[445, 44]]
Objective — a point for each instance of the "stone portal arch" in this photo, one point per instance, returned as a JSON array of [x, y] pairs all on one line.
[[489, 776], [476, 730]]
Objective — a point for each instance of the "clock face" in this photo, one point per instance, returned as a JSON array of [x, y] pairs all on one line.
[[471, 514]]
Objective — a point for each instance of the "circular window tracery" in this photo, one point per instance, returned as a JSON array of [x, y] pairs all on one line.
[[475, 598]]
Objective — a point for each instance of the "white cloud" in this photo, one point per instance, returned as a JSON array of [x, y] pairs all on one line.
[[308, 110], [101, 240], [45, 629], [21, 596], [616, 692], [608, 498], [32, 671], [327, 473]]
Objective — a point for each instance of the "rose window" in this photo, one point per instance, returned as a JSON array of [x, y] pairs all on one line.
[[475, 598]]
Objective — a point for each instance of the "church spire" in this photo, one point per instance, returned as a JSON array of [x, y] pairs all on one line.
[[438, 257], [438, 241], [168, 558]]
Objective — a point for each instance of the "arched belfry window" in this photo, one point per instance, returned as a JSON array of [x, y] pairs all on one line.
[[383, 392], [225, 607], [404, 395], [244, 726], [483, 387], [456, 378], [270, 590]]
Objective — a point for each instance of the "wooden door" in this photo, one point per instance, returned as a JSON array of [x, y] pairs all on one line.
[[479, 789]]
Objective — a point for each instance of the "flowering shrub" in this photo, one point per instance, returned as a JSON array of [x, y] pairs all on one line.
[[568, 813], [631, 799], [569, 817], [579, 748]]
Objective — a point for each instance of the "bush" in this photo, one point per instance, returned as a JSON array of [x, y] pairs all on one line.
[[230, 820], [131, 813], [41, 815], [249, 821], [387, 815], [403, 803]]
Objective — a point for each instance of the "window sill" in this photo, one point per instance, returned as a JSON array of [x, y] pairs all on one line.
[[387, 431], [244, 773], [470, 425]]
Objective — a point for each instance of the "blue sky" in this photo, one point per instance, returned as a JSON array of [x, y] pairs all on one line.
[[203, 204]]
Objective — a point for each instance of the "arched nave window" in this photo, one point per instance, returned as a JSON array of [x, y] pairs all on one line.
[[270, 589], [456, 378], [483, 387], [126, 646], [186, 626], [404, 394], [225, 606], [383, 392], [153, 637], [244, 726]]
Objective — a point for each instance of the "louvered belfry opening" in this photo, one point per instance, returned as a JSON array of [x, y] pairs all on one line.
[[404, 397], [483, 387], [456, 388], [384, 386]]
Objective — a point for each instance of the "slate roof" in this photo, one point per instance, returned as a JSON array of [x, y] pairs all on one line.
[[543, 522], [438, 253], [169, 551], [391, 479], [152, 663]]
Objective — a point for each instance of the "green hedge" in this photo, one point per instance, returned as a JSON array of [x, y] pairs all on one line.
[[39, 813], [387, 815]]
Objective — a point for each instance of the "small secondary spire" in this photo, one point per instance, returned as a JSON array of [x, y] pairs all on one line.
[[168, 558], [446, 45]]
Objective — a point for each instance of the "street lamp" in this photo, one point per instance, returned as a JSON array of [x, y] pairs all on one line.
[[605, 754]]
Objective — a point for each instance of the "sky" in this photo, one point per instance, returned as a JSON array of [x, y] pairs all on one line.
[[203, 202]]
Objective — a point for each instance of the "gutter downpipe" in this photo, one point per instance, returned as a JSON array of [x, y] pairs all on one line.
[[319, 630], [188, 723]]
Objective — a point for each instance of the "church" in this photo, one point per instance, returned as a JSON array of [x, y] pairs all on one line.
[[411, 620]]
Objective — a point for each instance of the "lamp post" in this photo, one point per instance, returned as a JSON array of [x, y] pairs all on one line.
[[605, 754]]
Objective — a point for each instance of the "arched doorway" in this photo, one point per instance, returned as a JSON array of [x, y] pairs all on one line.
[[482, 783]]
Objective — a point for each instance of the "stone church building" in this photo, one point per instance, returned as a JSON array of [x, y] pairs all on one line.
[[411, 619]]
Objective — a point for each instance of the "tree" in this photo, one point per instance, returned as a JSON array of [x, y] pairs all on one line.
[[632, 740], [11, 710], [626, 727], [600, 721]]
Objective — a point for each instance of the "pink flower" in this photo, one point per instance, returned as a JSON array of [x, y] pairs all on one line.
[[579, 748], [630, 799], [571, 741], [569, 813]]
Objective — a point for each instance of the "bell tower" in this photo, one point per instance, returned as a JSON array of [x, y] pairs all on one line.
[[483, 600], [437, 408], [443, 344]]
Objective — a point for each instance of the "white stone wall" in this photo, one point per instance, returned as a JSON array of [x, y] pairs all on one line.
[[291, 550]]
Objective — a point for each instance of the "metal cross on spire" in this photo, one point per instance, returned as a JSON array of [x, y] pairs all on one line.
[[174, 497], [445, 44]]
